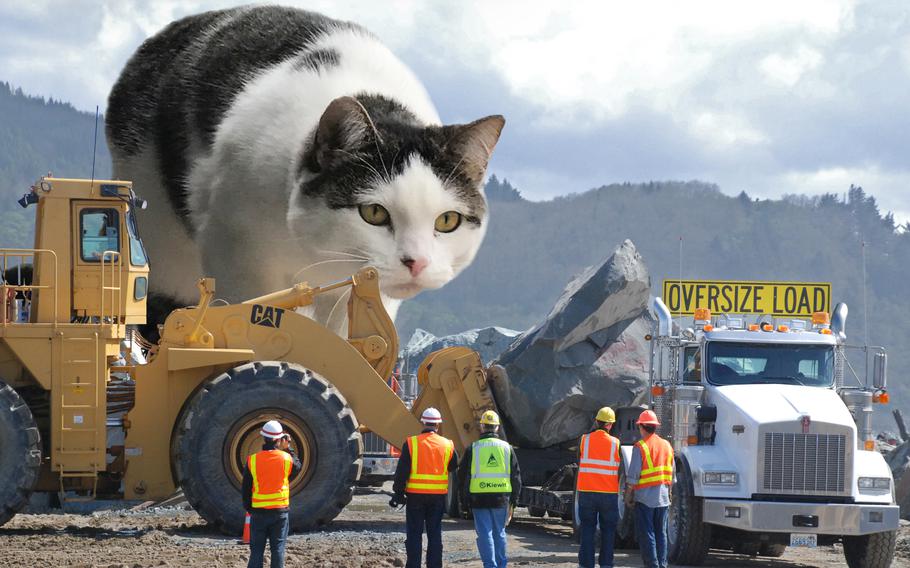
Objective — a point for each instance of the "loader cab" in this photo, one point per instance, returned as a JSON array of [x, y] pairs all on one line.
[[90, 263]]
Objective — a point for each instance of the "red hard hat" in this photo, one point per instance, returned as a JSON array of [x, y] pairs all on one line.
[[648, 417]]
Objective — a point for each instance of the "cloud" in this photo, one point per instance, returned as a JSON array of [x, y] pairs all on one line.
[[773, 97]]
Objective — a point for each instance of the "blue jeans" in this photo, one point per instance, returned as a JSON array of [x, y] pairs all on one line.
[[424, 511], [597, 509], [490, 525], [271, 525], [651, 523]]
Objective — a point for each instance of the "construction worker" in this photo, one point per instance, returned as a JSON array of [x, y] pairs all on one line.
[[421, 484], [597, 484], [649, 483], [267, 495], [489, 476]]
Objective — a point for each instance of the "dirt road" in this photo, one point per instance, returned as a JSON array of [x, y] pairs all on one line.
[[366, 535]]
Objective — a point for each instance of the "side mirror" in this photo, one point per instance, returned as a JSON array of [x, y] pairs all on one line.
[[879, 371]]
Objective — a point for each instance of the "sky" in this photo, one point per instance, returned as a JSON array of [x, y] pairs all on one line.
[[768, 97]]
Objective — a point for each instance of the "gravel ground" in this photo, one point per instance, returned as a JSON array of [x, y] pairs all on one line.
[[366, 535]]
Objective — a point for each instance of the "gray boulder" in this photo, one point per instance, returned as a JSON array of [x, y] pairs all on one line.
[[589, 352], [489, 342], [899, 461]]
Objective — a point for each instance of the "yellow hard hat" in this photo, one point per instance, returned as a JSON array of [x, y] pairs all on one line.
[[489, 417], [606, 414]]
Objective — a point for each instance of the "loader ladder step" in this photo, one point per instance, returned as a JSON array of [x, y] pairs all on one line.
[[79, 402], [93, 475]]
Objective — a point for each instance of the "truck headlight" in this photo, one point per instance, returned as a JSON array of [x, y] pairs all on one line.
[[875, 483], [721, 478]]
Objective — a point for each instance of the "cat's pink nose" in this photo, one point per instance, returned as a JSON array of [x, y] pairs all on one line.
[[415, 265]]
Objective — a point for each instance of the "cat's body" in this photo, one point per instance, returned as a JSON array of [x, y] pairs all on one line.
[[268, 140]]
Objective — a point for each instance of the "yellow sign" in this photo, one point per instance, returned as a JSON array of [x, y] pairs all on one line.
[[798, 299]]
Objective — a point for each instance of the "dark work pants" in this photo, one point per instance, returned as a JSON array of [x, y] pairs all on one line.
[[651, 523], [272, 525], [424, 511], [597, 509]]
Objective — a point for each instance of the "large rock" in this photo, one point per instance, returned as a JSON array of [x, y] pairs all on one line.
[[489, 342], [899, 461], [589, 352]]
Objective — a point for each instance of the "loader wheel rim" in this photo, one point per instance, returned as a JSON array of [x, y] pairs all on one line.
[[244, 439]]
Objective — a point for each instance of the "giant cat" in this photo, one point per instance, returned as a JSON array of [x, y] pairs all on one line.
[[276, 145]]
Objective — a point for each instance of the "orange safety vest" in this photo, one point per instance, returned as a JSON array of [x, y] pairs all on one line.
[[656, 462], [430, 456], [598, 463], [270, 470]]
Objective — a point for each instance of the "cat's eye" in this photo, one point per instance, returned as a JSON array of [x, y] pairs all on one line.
[[448, 221], [374, 214]]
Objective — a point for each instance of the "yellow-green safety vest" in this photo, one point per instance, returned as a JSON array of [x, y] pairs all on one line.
[[491, 466]]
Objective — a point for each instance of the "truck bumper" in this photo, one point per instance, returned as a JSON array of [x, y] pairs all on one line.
[[818, 518], [379, 465]]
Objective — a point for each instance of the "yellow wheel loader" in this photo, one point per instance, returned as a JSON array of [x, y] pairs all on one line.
[[88, 408]]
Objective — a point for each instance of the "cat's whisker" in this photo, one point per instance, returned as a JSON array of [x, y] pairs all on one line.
[[361, 251], [315, 264], [357, 256], [363, 161], [453, 171], [346, 293], [395, 157]]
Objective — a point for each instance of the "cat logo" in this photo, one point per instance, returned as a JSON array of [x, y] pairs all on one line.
[[492, 462], [266, 316]]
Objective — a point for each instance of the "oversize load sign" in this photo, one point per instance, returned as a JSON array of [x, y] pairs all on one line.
[[798, 299]]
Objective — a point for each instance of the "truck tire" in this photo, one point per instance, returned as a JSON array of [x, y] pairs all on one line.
[[536, 512], [688, 537], [774, 550], [219, 427], [453, 498], [625, 527], [20, 453], [870, 550]]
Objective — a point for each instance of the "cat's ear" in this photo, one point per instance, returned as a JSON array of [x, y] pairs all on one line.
[[344, 128], [472, 145]]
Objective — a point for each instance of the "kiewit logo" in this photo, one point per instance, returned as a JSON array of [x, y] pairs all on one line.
[[492, 462], [492, 484]]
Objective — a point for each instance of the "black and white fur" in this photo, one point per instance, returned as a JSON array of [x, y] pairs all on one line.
[[257, 133]]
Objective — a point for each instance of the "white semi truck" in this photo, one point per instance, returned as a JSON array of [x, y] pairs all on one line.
[[773, 441]]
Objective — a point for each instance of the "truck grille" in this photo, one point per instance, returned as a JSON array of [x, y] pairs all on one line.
[[799, 463], [373, 444]]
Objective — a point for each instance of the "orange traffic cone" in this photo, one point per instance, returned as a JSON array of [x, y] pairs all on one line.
[[246, 529]]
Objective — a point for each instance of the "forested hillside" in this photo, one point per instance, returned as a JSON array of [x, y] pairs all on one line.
[[533, 249], [38, 136]]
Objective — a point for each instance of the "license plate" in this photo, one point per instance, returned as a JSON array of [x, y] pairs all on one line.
[[805, 540]]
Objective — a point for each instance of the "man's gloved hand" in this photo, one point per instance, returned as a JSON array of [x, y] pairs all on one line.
[[398, 501]]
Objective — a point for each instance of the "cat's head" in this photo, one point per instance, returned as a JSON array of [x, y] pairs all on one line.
[[376, 184]]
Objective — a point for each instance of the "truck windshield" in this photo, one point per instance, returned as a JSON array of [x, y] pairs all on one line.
[[751, 363]]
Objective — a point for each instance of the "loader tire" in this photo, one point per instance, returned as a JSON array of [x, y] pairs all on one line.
[[219, 427], [20, 453], [870, 550], [688, 537]]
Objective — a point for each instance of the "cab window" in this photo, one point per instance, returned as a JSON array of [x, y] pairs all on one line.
[[100, 231], [693, 366], [137, 250]]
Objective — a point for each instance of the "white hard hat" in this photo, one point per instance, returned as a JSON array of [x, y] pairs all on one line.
[[272, 430], [431, 416]]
